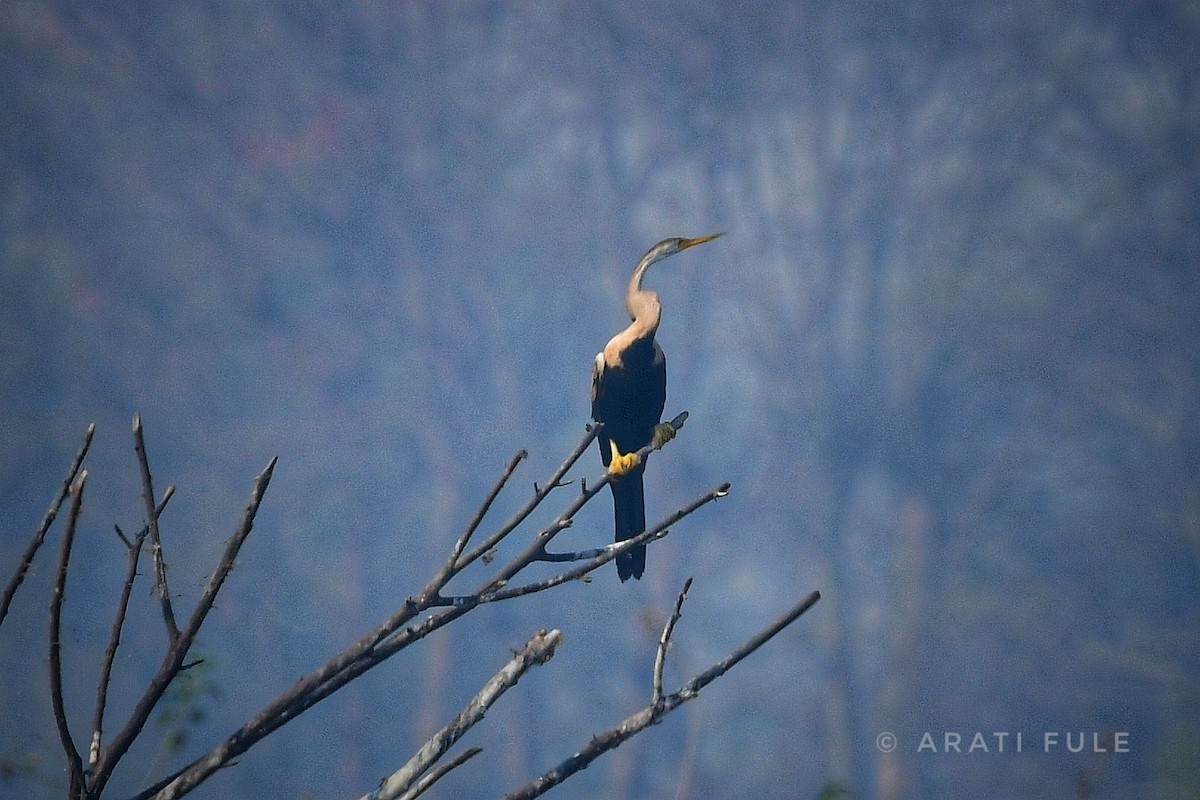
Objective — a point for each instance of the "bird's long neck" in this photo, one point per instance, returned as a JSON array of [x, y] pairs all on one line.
[[645, 311]]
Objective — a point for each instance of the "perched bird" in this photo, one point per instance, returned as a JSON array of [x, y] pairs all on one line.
[[629, 391]]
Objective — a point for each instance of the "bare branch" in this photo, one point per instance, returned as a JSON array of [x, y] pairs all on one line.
[[391, 636], [538, 650], [533, 502], [39, 535], [652, 714], [452, 565], [229, 557], [427, 782], [177, 652], [536, 550], [133, 553], [660, 658], [74, 762], [693, 687], [602, 555], [676, 424], [156, 548]]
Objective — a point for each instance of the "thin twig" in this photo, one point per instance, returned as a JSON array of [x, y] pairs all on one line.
[[427, 782], [536, 550], [393, 635], [133, 555], [133, 551], [601, 555], [74, 762], [388, 638], [177, 652], [39, 535], [533, 502], [660, 657], [693, 687], [653, 714], [538, 650], [452, 565], [156, 548]]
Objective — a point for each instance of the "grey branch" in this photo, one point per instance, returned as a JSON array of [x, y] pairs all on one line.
[[598, 557], [423, 785], [652, 714], [453, 565], [538, 650], [538, 496], [660, 658], [422, 614]]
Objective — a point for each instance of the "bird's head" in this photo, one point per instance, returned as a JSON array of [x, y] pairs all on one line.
[[642, 304], [676, 244]]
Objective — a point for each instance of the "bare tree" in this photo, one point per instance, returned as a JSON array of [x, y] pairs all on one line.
[[90, 768]]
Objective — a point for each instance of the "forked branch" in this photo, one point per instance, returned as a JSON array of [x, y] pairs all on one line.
[[538, 650], [421, 614], [653, 713], [402, 629]]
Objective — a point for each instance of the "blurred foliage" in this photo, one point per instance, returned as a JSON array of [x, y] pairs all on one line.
[[184, 706]]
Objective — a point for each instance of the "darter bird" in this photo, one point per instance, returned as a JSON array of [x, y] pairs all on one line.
[[629, 392]]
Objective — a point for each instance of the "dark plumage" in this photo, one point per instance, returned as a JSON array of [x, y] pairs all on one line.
[[629, 392]]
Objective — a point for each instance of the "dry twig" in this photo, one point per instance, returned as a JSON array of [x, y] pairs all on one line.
[[399, 630], [660, 657], [39, 535], [74, 762], [421, 614], [538, 650], [156, 548], [653, 713]]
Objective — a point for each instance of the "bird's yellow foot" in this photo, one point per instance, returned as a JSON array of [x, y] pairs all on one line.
[[621, 464], [663, 433]]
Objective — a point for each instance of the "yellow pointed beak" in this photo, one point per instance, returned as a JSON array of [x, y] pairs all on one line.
[[686, 243]]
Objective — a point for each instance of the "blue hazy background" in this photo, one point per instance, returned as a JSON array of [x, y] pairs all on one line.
[[947, 356]]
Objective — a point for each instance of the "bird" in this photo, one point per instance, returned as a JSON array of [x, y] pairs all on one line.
[[629, 392]]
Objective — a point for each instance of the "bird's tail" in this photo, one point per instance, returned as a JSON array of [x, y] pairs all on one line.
[[629, 511]]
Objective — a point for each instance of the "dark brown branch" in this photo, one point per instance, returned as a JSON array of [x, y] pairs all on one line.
[[174, 658], [133, 555], [133, 551], [660, 658], [533, 502], [536, 550], [393, 635], [452, 565], [39, 535], [427, 782], [156, 548], [653, 714], [538, 650], [601, 555], [74, 762]]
